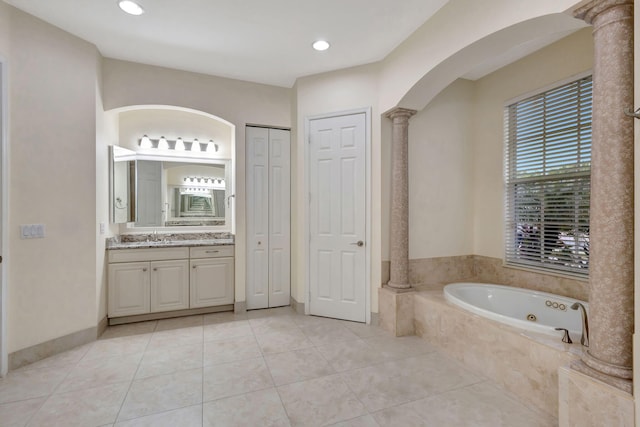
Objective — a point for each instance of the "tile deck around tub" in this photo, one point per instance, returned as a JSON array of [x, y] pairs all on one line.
[[266, 368]]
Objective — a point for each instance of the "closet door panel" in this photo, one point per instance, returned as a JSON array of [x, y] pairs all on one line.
[[257, 143], [279, 218]]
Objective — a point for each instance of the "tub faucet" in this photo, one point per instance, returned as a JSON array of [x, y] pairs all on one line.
[[584, 340]]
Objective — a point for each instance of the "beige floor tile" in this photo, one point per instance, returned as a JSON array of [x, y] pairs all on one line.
[[98, 372], [352, 354], [365, 331], [23, 385], [224, 317], [161, 340], [266, 325], [301, 321], [259, 408], [169, 360], [297, 365], [190, 416], [364, 421], [130, 329], [162, 393], [398, 347], [226, 330], [479, 405], [118, 346], [230, 379], [320, 401], [180, 322], [402, 416], [279, 342], [17, 414], [91, 407], [67, 358], [271, 312], [328, 333], [399, 381], [231, 350]]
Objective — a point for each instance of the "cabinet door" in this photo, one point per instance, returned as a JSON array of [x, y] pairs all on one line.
[[169, 285], [128, 289], [211, 282]]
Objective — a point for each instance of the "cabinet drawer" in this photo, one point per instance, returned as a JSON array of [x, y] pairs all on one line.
[[212, 251], [156, 254]]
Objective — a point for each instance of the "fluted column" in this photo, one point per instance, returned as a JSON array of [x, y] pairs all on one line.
[[611, 228], [400, 198]]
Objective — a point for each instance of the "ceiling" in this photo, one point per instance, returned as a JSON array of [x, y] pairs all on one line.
[[255, 40]]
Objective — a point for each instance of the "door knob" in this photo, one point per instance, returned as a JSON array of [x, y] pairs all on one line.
[[358, 243]]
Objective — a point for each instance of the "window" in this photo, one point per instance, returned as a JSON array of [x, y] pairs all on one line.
[[548, 165]]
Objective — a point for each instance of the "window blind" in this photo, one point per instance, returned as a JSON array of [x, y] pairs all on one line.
[[547, 173]]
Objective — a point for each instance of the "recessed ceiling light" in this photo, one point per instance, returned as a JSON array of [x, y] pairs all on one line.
[[321, 45], [131, 7]]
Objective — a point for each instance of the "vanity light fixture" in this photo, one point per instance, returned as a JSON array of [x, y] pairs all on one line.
[[131, 7], [212, 147], [145, 142], [163, 144], [321, 45], [179, 145]]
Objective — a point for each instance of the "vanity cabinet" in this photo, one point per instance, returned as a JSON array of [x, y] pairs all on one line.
[[212, 276], [143, 281]]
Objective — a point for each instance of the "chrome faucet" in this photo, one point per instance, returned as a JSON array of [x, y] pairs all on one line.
[[584, 340]]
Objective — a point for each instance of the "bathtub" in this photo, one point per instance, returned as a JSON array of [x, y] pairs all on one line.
[[526, 309]]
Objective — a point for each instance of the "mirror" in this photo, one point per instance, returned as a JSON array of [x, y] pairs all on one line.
[[161, 191], [122, 182]]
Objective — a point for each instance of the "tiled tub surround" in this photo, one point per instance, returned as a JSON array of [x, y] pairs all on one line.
[[524, 363], [434, 273]]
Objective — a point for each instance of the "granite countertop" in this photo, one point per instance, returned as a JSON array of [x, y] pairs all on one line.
[[142, 241]]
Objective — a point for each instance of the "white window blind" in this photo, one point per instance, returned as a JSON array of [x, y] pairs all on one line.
[[548, 164]]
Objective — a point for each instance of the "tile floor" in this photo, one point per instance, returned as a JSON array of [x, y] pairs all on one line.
[[266, 368]]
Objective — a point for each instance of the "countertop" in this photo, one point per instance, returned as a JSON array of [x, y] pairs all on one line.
[[169, 244]]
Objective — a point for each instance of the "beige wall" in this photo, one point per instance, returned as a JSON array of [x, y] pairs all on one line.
[[240, 103], [52, 101], [342, 90], [440, 175], [557, 62]]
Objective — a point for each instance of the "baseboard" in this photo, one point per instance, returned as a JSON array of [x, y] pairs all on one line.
[[240, 307], [103, 324], [297, 306], [52, 347], [169, 314], [375, 319]]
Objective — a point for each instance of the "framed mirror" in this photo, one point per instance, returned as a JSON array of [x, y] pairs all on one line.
[[122, 184]]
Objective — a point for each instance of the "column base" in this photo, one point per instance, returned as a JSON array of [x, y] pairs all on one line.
[[396, 311], [585, 401], [586, 368], [399, 287]]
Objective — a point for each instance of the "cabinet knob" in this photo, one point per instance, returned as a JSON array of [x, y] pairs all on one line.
[[194, 266], [155, 269], [144, 269]]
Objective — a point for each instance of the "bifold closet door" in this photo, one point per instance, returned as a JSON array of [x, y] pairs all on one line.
[[268, 217]]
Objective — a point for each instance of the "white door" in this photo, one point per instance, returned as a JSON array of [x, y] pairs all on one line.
[[4, 366], [268, 217], [337, 218]]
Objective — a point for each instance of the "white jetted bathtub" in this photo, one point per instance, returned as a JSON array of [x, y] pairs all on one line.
[[531, 310]]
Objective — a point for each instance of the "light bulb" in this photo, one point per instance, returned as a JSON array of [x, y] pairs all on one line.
[[179, 145], [163, 144], [195, 146], [321, 45], [211, 147], [145, 142]]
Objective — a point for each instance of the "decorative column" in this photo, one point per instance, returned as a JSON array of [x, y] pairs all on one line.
[[611, 263], [400, 198]]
